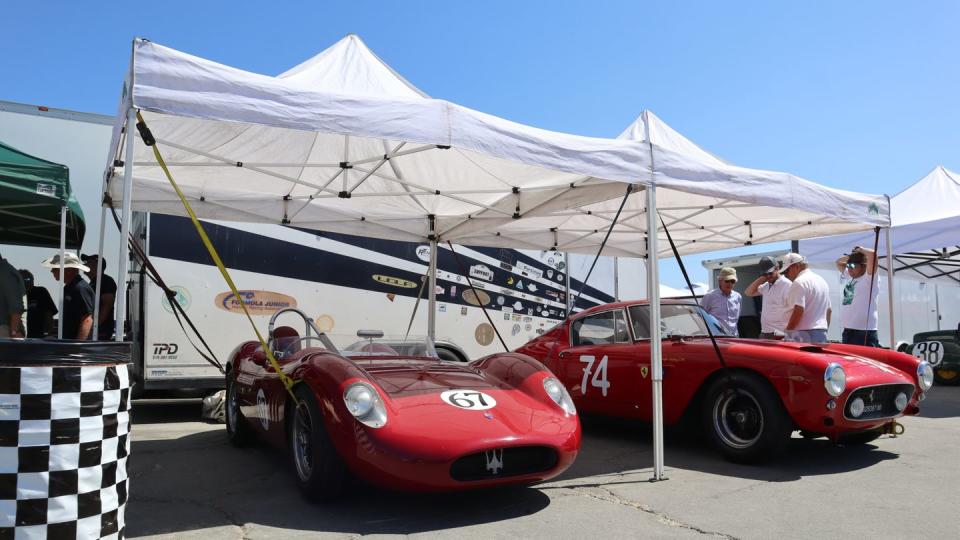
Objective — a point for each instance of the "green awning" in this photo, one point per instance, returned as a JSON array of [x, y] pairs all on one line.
[[32, 192]]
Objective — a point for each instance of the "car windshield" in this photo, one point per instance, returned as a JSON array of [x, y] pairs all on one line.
[[685, 320], [387, 346]]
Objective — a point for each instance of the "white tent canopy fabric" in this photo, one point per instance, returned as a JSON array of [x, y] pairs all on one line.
[[342, 143], [925, 232]]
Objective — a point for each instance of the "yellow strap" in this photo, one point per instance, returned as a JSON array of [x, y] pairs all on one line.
[[287, 381]]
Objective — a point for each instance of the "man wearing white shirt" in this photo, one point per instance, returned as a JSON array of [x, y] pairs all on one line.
[[774, 288], [858, 312], [809, 299]]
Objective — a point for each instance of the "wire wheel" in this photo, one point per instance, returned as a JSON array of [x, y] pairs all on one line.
[[302, 442], [738, 418], [233, 406]]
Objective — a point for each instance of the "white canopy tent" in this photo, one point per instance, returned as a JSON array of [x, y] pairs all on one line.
[[925, 232], [342, 143]]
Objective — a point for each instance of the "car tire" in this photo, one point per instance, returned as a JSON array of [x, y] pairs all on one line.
[[319, 470], [946, 377], [860, 438], [745, 418], [239, 431]]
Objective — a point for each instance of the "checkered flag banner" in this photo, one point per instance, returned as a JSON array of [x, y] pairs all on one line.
[[64, 443]]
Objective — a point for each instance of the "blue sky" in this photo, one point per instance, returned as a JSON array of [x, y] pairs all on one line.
[[855, 95]]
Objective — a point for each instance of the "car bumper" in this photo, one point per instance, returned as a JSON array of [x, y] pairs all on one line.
[[834, 422]]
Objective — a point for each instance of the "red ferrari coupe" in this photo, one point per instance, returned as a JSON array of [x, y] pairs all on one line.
[[848, 393], [391, 412]]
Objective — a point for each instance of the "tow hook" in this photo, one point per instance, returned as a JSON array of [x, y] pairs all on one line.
[[894, 429]]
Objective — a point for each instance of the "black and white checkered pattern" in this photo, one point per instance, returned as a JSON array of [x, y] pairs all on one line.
[[64, 442]]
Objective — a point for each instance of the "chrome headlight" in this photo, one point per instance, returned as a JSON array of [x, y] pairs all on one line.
[[925, 376], [559, 395], [835, 379], [856, 407], [364, 403], [901, 401]]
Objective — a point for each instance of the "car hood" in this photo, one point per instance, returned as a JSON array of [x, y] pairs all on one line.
[[405, 377]]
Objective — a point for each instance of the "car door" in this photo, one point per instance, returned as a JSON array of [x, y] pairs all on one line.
[[600, 366]]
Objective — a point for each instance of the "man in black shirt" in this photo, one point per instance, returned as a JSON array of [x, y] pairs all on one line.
[[40, 308], [78, 296], [108, 293]]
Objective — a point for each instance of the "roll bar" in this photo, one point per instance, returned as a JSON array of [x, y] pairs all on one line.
[[308, 324]]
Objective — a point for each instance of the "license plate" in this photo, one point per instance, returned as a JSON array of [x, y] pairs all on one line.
[[872, 408]]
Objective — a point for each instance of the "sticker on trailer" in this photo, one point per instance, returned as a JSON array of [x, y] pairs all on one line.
[[481, 271], [423, 253], [470, 400], [929, 351]]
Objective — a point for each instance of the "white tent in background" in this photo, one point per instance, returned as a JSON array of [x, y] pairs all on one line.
[[342, 143], [926, 232]]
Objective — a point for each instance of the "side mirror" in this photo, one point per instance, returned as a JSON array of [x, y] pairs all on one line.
[[369, 334]]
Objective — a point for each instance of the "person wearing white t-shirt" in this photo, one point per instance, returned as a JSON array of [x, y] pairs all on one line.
[[774, 288], [809, 299], [858, 311]]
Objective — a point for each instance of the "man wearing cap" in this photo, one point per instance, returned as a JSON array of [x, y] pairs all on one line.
[[108, 292], [724, 302], [809, 301], [858, 311], [11, 300], [78, 296], [774, 288]]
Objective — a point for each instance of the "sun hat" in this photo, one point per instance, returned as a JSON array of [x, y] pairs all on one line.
[[70, 260], [728, 273]]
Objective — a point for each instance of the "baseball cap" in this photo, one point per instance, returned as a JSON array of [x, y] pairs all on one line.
[[767, 265], [790, 259], [857, 257]]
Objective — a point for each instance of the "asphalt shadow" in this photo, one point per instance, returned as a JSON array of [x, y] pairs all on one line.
[[199, 481], [942, 402]]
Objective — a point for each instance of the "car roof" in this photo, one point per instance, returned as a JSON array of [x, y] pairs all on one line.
[[628, 303]]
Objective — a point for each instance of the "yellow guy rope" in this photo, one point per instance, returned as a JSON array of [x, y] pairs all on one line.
[[287, 381]]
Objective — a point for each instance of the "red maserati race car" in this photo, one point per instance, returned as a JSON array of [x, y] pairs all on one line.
[[769, 389], [391, 412]]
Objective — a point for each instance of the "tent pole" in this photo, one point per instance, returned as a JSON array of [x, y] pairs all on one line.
[[656, 361], [63, 254], [96, 292], [616, 279], [126, 211], [890, 299], [566, 282], [432, 292]]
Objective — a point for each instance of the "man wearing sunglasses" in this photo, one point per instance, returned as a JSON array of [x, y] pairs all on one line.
[[858, 311], [774, 288], [724, 302]]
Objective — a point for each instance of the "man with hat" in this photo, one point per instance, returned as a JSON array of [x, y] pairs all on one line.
[[809, 301], [774, 288], [724, 302], [858, 311], [78, 296], [108, 293]]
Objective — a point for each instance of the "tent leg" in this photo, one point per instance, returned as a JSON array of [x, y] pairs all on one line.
[[890, 299], [63, 254], [616, 279], [656, 359], [96, 292], [566, 282], [432, 292], [126, 211]]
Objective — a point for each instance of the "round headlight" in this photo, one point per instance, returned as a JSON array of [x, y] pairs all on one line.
[[901, 401], [364, 403], [834, 379], [559, 395], [925, 376], [856, 407]]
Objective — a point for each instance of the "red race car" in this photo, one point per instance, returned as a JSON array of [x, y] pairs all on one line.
[[848, 393], [391, 412]]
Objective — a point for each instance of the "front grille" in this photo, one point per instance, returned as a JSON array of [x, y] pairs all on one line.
[[878, 401], [503, 462]]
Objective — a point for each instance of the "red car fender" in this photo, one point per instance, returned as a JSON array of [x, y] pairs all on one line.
[[902, 361]]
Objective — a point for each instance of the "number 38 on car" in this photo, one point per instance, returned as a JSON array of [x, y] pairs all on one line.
[[769, 388], [393, 413]]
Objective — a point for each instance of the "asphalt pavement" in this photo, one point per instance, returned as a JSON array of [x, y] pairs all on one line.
[[188, 482]]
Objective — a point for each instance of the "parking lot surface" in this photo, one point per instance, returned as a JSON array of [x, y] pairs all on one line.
[[188, 482]]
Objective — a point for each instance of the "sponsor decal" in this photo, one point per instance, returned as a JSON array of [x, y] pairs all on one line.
[[539, 331], [484, 334], [182, 297], [553, 294], [520, 284], [394, 281], [515, 317], [501, 300], [529, 311], [481, 271], [515, 330], [873, 209], [550, 273], [528, 327], [561, 265], [476, 298], [165, 351], [518, 305], [494, 460], [324, 323], [468, 399], [442, 308], [257, 302], [453, 290], [532, 288], [423, 253], [551, 261], [391, 297], [559, 277], [510, 280], [507, 267], [527, 319], [463, 310], [440, 290], [507, 309], [531, 271], [262, 409], [506, 316]]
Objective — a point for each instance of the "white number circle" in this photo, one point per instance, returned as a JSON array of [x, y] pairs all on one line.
[[468, 399], [930, 351]]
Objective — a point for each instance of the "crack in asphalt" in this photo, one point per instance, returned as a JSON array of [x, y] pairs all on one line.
[[199, 502], [612, 497]]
